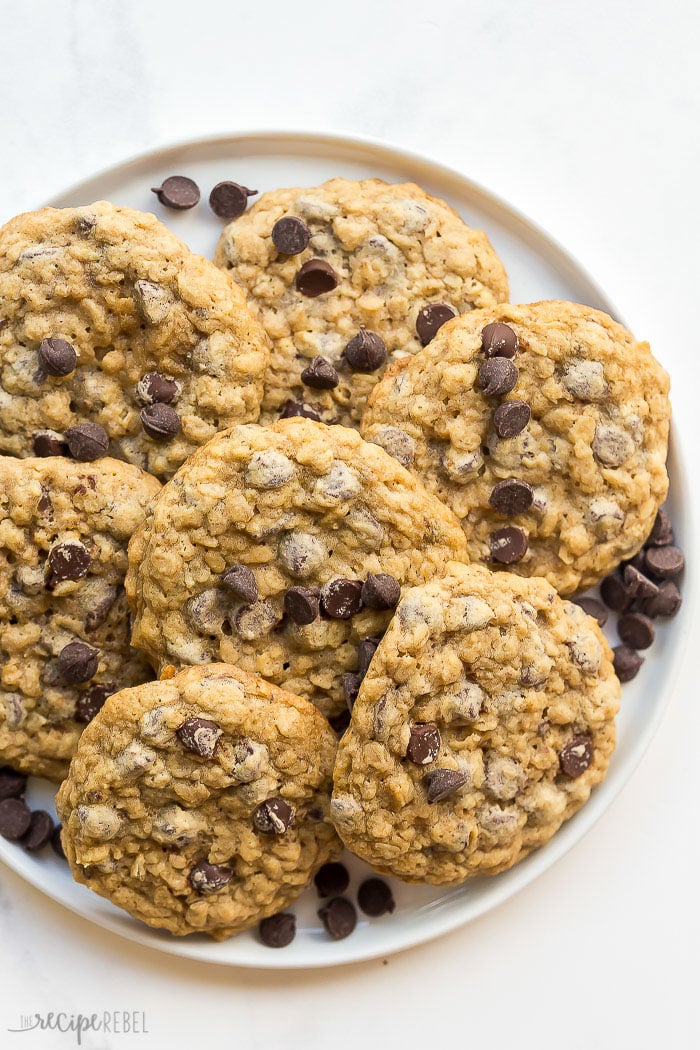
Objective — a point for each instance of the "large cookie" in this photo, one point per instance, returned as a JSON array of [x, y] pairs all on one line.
[[544, 427], [200, 804], [320, 263], [483, 722], [106, 318], [265, 548], [64, 621]]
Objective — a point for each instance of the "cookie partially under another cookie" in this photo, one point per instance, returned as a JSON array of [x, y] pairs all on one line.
[[485, 718], [116, 339], [544, 427], [200, 803], [347, 276], [64, 621]]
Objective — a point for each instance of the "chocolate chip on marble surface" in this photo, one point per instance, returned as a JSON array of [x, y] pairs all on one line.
[[615, 593], [365, 652], [298, 408], [316, 277], [510, 418], [499, 340], [666, 601], [87, 441], [661, 534], [273, 816], [575, 756], [636, 629], [56, 844], [594, 608], [92, 701], [497, 376], [206, 878], [626, 662], [39, 831], [341, 598], [78, 662], [320, 374], [200, 736], [241, 580], [156, 388], [351, 687], [178, 192], [301, 604], [290, 235], [441, 783], [160, 421], [12, 783], [277, 931], [57, 356], [331, 879], [430, 320], [366, 351], [229, 199], [375, 898], [664, 562], [511, 496], [15, 818], [67, 561], [49, 443], [339, 917], [508, 545], [380, 591], [424, 743]]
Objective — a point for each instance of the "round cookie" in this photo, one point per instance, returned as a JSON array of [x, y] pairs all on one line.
[[319, 263], [200, 804], [106, 318], [64, 620], [483, 722], [544, 427], [281, 549]]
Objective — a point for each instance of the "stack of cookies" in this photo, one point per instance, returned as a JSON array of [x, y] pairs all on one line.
[[287, 543]]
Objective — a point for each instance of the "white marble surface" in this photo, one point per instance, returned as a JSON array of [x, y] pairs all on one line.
[[586, 117]]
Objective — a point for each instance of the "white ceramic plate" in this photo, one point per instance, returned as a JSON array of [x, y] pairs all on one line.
[[538, 269]]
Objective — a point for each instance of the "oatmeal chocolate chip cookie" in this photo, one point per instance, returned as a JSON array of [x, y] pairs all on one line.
[[200, 804], [347, 276], [483, 722], [115, 339], [64, 620], [544, 427], [281, 549]]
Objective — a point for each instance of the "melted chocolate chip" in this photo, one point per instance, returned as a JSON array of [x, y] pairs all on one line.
[[365, 652], [66, 561], [78, 662], [365, 352], [241, 580], [341, 599], [206, 878], [57, 356], [290, 235], [508, 545], [510, 418], [320, 374], [200, 736], [178, 192], [87, 441], [441, 783], [424, 743], [161, 422], [228, 200], [46, 443], [273, 816], [301, 604], [575, 757], [298, 408], [316, 277], [92, 701], [154, 387], [497, 376], [431, 318], [380, 591], [511, 496], [499, 340]]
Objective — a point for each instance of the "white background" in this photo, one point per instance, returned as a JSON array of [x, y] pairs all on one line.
[[585, 116]]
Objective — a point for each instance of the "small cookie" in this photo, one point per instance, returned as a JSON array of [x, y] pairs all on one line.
[[483, 722], [281, 549], [64, 621], [347, 276], [115, 338], [544, 427], [200, 804]]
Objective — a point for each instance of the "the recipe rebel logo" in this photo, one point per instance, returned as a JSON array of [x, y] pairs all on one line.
[[109, 1022]]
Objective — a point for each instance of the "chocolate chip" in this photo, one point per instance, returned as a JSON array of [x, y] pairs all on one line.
[[274, 815], [626, 662], [340, 722], [575, 757], [366, 351], [67, 561], [277, 931], [509, 544], [154, 387], [39, 832], [56, 844], [497, 376], [15, 818], [511, 496], [315, 277], [665, 562], [365, 651], [666, 602], [178, 192], [595, 609], [424, 743], [638, 585], [375, 898], [87, 441], [290, 235], [206, 878], [57, 356], [331, 879], [241, 580], [341, 599], [92, 701], [228, 200], [320, 374], [440, 783], [499, 340], [98, 614], [47, 443], [351, 687], [380, 591], [12, 783], [298, 408], [78, 662], [200, 736], [339, 917], [510, 418], [431, 318], [637, 630], [614, 593], [301, 604], [661, 534], [161, 422]]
